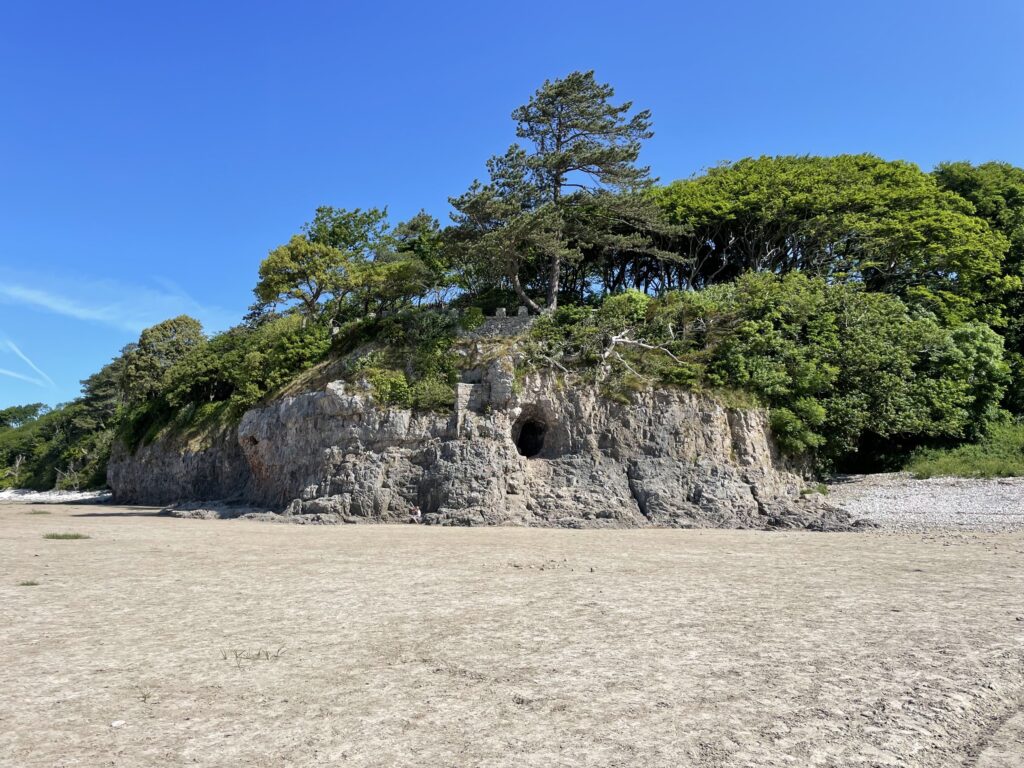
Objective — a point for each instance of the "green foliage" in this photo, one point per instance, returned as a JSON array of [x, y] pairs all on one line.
[[301, 271], [346, 264], [390, 388], [873, 365], [794, 428], [887, 225], [535, 217], [471, 318], [243, 365], [326, 261], [421, 240], [432, 394], [65, 536], [838, 366], [624, 309], [412, 362], [999, 454], [996, 190], [145, 364], [18, 415], [575, 129], [66, 447]]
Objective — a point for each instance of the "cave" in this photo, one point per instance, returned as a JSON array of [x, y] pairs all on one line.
[[529, 437]]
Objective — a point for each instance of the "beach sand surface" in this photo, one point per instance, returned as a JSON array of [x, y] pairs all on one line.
[[170, 642]]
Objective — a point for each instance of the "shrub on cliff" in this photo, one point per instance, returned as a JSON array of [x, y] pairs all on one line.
[[839, 367], [244, 364]]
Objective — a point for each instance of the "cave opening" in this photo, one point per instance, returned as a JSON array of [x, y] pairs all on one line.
[[530, 438]]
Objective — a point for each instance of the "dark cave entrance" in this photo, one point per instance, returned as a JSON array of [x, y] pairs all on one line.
[[529, 437]]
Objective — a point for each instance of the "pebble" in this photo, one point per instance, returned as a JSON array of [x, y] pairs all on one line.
[[898, 502]]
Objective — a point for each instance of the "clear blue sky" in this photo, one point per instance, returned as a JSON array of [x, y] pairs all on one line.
[[151, 153]]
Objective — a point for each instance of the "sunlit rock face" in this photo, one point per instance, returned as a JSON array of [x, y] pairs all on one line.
[[549, 452]]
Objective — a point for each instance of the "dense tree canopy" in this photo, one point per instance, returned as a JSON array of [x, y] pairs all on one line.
[[159, 347], [17, 415], [349, 263], [996, 190], [324, 261], [841, 368], [885, 224]]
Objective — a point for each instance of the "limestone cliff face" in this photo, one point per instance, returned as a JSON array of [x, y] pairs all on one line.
[[665, 459]]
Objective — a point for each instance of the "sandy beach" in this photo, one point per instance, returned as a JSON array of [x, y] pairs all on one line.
[[161, 641]]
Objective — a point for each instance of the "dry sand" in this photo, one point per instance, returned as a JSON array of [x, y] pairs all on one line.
[[168, 642]]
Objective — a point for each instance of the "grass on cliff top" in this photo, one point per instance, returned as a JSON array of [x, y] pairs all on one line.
[[65, 536], [1001, 454]]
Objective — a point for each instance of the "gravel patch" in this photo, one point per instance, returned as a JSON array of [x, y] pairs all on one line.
[[898, 502]]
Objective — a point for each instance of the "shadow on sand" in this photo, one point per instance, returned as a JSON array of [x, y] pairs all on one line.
[[128, 512]]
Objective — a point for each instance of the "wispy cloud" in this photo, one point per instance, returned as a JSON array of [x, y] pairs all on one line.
[[126, 307], [14, 348], [62, 305], [22, 377]]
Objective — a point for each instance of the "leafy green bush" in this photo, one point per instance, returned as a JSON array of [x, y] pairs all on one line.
[[999, 454], [432, 394], [471, 318], [390, 388], [244, 365]]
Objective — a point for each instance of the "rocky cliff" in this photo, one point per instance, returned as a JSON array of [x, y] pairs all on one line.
[[551, 452]]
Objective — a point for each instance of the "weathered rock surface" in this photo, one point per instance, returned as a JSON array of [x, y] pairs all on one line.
[[667, 458]]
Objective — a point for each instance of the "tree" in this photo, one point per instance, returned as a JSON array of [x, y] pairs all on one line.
[[578, 134], [579, 144], [389, 282], [420, 239], [159, 347], [105, 393], [887, 225], [16, 415], [501, 228], [302, 271], [317, 264], [996, 190], [244, 363]]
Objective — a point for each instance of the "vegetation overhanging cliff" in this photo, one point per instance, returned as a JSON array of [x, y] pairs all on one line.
[[873, 308], [544, 449]]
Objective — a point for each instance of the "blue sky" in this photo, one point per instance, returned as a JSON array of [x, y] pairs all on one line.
[[151, 153]]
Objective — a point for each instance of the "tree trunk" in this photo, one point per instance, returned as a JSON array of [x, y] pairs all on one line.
[[555, 269], [554, 277], [518, 288]]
